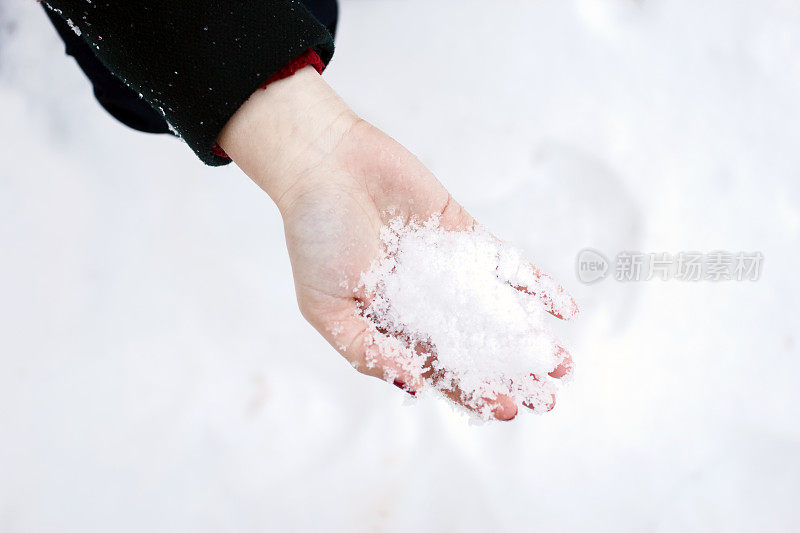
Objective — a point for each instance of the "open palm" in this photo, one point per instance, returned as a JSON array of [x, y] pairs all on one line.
[[332, 226]]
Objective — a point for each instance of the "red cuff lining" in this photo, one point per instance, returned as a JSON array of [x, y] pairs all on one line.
[[309, 57]]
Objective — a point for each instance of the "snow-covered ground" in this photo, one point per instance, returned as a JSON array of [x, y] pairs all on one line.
[[155, 374]]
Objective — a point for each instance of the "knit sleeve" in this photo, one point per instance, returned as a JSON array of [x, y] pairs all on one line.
[[196, 62]]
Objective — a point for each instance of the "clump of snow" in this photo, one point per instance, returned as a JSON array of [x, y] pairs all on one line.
[[74, 28], [466, 310]]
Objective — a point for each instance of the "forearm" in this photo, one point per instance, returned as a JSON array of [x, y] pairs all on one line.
[[285, 129]]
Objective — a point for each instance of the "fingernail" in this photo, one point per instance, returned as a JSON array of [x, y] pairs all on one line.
[[499, 414], [516, 411], [552, 403], [399, 384]]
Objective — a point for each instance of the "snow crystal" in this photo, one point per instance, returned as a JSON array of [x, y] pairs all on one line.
[[447, 303], [73, 27]]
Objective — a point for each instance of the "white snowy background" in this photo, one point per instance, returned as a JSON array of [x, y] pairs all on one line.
[[155, 374]]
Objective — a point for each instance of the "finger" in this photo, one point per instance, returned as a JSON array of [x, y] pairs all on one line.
[[502, 407], [564, 367], [526, 277], [555, 299], [390, 359], [376, 353], [540, 395]]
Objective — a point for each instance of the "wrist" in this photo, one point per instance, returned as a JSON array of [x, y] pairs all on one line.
[[285, 129]]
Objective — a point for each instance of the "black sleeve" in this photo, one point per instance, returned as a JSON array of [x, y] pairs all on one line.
[[197, 61]]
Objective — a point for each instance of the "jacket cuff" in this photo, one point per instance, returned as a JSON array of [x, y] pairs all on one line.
[[196, 62]]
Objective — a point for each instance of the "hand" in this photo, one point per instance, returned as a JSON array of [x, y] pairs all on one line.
[[337, 180]]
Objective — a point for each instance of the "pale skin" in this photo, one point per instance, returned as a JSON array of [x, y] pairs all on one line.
[[336, 180]]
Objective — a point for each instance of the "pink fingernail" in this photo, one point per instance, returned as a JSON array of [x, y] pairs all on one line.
[[552, 403], [399, 384]]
